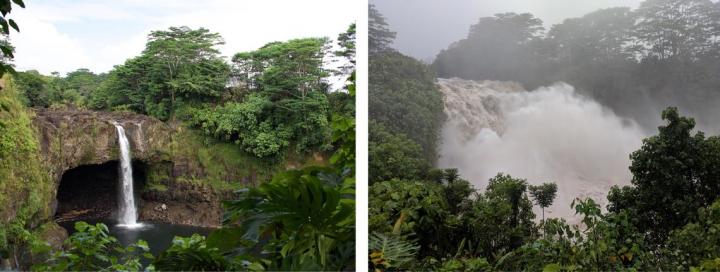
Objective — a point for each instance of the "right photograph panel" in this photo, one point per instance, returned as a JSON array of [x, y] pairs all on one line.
[[544, 135]]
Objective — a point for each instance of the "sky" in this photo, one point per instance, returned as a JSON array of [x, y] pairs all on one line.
[[64, 35], [424, 27]]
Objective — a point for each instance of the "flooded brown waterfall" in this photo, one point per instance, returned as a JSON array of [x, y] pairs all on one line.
[[548, 134]]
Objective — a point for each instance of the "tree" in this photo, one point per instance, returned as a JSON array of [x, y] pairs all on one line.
[[604, 242], [674, 174], [393, 155], [544, 195], [346, 41], [695, 243], [513, 190], [179, 69], [289, 69], [286, 101], [303, 219], [677, 28], [6, 49], [500, 219], [457, 191], [126, 87], [404, 99], [34, 88], [599, 36], [186, 55], [509, 36], [380, 38], [83, 81]]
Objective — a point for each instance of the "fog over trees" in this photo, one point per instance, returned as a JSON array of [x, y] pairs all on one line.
[[634, 61], [654, 64]]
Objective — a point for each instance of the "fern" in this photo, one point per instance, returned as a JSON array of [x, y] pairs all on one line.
[[390, 251]]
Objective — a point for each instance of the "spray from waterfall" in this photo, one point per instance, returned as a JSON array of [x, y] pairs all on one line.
[[549, 134], [127, 216]]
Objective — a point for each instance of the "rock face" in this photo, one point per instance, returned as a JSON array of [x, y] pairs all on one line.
[[186, 204], [70, 139]]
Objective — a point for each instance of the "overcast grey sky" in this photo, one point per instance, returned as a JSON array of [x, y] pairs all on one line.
[[424, 27]]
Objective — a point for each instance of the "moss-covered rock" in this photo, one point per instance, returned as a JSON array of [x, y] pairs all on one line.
[[26, 188], [188, 172]]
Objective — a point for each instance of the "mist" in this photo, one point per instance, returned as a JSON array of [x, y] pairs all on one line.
[[424, 27], [621, 67], [551, 134]]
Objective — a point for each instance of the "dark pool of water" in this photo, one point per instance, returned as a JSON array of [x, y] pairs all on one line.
[[158, 235]]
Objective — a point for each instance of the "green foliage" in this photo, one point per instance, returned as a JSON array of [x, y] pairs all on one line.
[[302, 219], [73, 90], [34, 88], [346, 41], [665, 221], [284, 106], [404, 99], [246, 125], [179, 68], [307, 215], [674, 174], [607, 242], [284, 70], [452, 219], [423, 204], [393, 155], [501, 219], [26, 186], [473, 264], [224, 165], [92, 249], [191, 254], [390, 251], [544, 195], [6, 50], [343, 133], [379, 36], [673, 188], [696, 244]]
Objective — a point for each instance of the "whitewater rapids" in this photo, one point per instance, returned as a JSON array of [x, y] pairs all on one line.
[[548, 134]]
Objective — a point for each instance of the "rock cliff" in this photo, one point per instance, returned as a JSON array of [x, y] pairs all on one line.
[[175, 174]]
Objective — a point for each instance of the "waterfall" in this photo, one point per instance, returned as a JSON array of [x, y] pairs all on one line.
[[548, 134], [127, 216]]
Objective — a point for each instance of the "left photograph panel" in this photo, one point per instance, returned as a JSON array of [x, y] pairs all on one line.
[[177, 135]]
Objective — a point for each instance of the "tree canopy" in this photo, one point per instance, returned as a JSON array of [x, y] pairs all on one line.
[[675, 173], [661, 53], [286, 100], [179, 67]]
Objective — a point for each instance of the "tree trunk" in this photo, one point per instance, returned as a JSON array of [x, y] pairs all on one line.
[[543, 220]]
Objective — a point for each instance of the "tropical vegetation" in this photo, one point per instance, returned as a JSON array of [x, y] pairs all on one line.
[[427, 219], [271, 104]]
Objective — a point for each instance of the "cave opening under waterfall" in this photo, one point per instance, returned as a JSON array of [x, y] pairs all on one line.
[[91, 191]]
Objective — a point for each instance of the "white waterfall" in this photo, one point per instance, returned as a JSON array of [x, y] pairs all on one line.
[[127, 216]]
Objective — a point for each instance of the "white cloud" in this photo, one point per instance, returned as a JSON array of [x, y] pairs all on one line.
[[42, 47], [63, 35]]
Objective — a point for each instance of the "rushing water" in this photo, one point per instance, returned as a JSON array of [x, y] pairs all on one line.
[[549, 134], [127, 213]]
